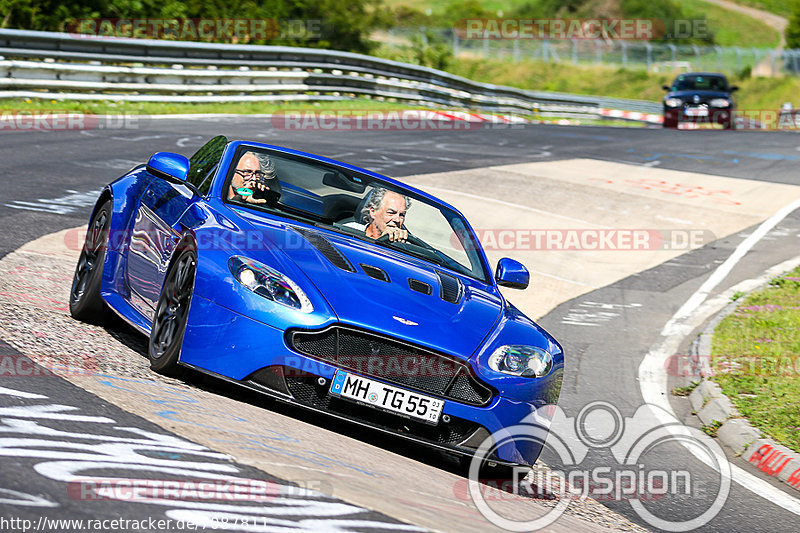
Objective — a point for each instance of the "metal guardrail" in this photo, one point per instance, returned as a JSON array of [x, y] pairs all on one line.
[[68, 66]]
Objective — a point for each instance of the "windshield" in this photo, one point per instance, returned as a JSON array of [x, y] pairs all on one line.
[[356, 204], [700, 83]]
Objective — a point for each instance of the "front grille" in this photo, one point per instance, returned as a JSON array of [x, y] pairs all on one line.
[[306, 390], [393, 361]]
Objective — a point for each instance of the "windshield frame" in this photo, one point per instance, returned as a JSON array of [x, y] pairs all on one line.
[[475, 253]]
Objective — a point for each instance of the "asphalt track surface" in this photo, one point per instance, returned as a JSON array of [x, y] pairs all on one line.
[[603, 360]]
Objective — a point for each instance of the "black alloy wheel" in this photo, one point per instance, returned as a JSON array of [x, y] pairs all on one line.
[[85, 302], [172, 312]]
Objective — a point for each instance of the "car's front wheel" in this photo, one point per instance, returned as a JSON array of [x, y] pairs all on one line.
[[85, 302], [172, 312]]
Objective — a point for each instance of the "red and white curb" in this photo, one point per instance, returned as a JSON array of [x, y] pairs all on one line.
[[632, 115], [712, 406]]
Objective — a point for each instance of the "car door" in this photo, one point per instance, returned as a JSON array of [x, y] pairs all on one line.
[[156, 230]]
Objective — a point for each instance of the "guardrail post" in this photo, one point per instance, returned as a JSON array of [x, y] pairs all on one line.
[[674, 50], [755, 56], [718, 49], [455, 43], [649, 48], [738, 58], [598, 51], [574, 51], [624, 54], [485, 46], [774, 54], [794, 61], [516, 50]]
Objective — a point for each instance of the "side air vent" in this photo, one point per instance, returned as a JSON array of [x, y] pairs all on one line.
[[450, 288], [374, 272], [327, 249], [419, 286]]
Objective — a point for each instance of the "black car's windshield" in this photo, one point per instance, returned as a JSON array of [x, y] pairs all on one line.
[[700, 83], [348, 202]]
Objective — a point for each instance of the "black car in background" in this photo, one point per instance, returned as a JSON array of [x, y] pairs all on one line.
[[701, 97]]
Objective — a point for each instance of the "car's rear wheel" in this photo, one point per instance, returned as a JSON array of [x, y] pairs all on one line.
[[85, 302], [172, 312]]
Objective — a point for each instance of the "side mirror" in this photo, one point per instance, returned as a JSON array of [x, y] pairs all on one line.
[[512, 274], [734, 88], [665, 87], [169, 166]]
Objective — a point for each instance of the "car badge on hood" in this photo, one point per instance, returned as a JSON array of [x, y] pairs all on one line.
[[696, 99], [405, 321]]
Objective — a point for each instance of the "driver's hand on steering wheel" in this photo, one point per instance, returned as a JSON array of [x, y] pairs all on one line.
[[396, 234]]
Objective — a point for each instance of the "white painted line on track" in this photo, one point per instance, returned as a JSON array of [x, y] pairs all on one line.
[[517, 206], [652, 373]]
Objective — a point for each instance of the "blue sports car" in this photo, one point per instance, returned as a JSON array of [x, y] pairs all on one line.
[[323, 285]]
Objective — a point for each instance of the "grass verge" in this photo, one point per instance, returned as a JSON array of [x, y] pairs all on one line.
[[98, 107], [756, 358]]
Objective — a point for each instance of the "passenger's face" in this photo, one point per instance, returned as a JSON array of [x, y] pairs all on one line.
[[392, 212]]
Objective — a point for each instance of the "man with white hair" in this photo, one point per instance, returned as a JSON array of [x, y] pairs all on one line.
[[383, 214]]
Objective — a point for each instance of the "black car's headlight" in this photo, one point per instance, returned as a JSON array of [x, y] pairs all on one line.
[[521, 360], [673, 102], [719, 102], [269, 283]]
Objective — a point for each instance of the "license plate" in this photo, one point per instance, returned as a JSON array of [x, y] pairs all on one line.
[[387, 397], [696, 112]]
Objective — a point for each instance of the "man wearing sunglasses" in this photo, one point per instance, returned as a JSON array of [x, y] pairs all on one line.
[[253, 182]]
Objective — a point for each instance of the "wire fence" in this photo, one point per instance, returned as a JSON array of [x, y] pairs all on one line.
[[617, 53]]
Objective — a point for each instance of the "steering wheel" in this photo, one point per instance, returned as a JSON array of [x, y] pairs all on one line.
[[411, 239]]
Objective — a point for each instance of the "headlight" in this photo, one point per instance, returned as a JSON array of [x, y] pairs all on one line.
[[673, 102], [719, 102], [269, 283], [519, 360]]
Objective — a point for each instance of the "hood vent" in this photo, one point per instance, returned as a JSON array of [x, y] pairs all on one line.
[[419, 286], [374, 272], [327, 249], [450, 288]]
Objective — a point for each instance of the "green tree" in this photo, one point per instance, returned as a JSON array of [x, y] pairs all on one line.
[[793, 29]]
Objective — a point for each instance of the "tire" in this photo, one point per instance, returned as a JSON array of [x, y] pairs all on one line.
[[172, 313], [85, 302], [670, 123]]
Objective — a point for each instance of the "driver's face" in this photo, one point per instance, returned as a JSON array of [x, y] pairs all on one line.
[[392, 212]]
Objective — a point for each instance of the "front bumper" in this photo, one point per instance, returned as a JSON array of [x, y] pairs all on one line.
[[712, 116], [253, 354]]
